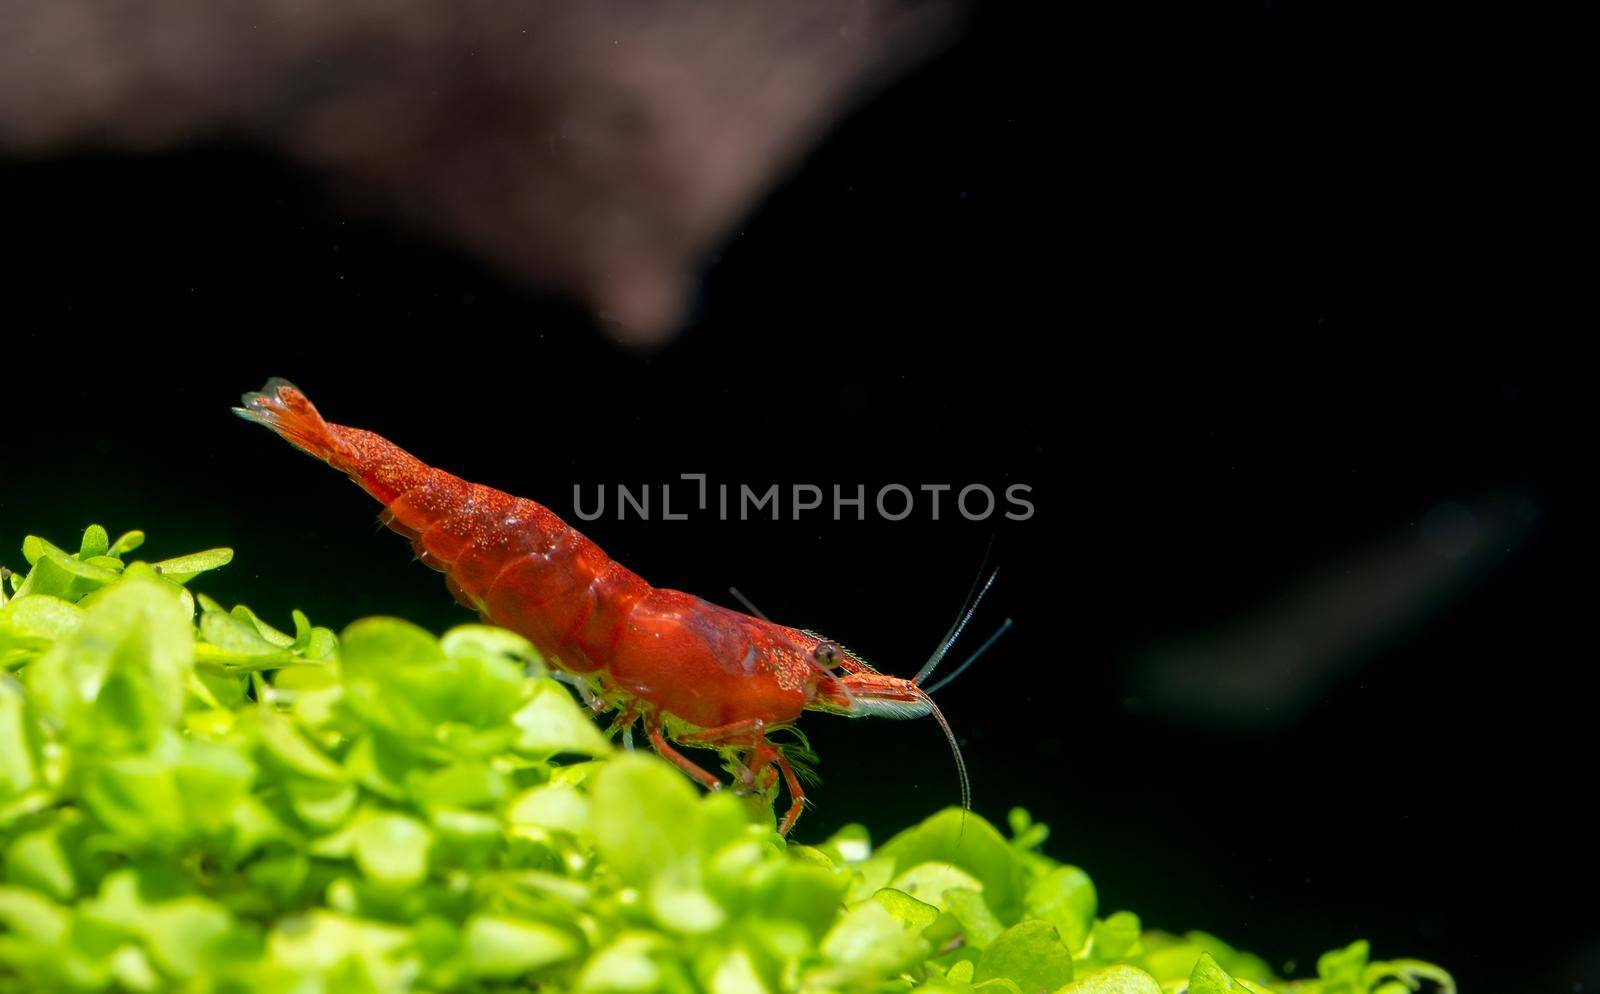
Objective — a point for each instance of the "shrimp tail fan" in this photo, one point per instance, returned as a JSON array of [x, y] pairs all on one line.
[[281, 406]]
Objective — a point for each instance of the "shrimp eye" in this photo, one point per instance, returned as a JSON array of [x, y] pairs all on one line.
[[826, 653]]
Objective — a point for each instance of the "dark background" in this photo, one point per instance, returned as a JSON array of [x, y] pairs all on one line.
[[1254, 297]]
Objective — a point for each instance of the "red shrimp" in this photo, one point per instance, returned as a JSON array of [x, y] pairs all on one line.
[[694, 673]]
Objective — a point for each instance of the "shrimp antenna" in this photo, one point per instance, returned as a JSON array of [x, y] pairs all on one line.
[[1005, 626], [749, 605], [955, 630], [955, 749]]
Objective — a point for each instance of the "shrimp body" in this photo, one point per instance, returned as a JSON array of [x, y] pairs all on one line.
[[693, 671], [523, 568]]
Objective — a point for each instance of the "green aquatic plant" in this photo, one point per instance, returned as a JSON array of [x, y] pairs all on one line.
[[193, 800]]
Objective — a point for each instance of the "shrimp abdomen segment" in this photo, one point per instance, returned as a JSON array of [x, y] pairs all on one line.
[[505, 531], [568, 599]]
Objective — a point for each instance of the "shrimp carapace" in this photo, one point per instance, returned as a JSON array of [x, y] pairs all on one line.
[[692, 672]]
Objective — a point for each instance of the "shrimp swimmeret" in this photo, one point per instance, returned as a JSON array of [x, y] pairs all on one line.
[[695, 673]]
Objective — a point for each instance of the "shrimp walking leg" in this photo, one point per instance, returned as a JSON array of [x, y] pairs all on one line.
[[796, 795], [749, 737], [652, 727], [739, 732], [591, 700], [752, 735], [623, 723]]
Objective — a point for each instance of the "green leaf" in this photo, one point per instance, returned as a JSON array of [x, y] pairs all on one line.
[[392, 850], [1029, 954], [95, 542], [929, 882], [181, 933], [36, 859], [321, 942], [1064, 897], [849, 845], [376, 648], [554, 807], [552, 723], [233, 642], [137, 798], [1026, 834], [34, 623], [1116, 937], [645, 816], [321, 805], [32, 916], [725, 819], [965, 840], [122, 676], [1209, 978], [261, 628], [798, 892], [19, 744], [626, 966], [735, 973], [63, 576], [979, 926], [467, 839], [870, 941], [487, 689], [211, 779], [397, 678], [503, 948], [905, 909], [1173, 959], [1345, 966], [126, 544], [285, 744], [679, 904], [182, 569], [35, 548], [1114, 980], [488, 642], [467, 784], [1410, 974]]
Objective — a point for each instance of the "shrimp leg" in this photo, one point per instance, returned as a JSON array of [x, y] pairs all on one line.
[[745, 737], [652, 727], [797, 796], [591, 700], [623, 722], [748, 735], [752, 735]]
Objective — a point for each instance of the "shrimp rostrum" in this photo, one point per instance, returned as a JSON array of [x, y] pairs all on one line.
[[694, 674]]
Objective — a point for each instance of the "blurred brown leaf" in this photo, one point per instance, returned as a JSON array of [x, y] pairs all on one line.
[[601, 148]]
